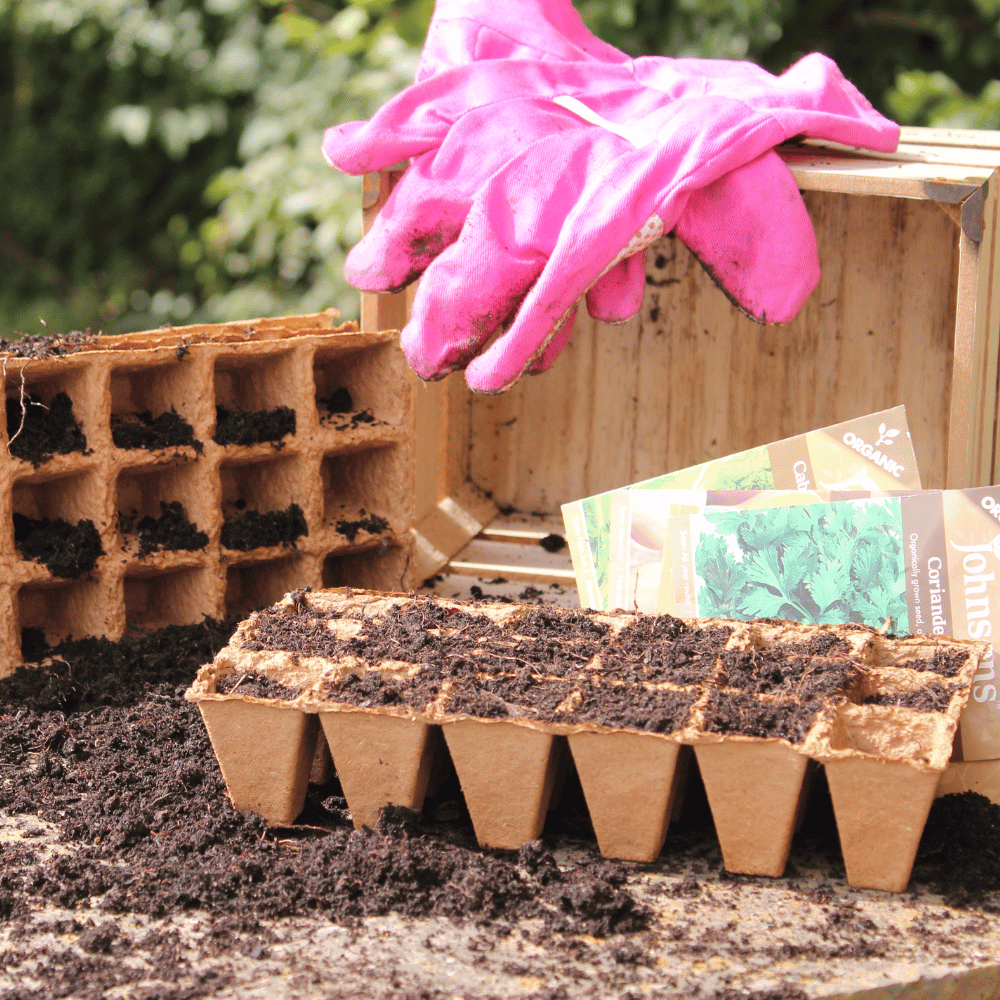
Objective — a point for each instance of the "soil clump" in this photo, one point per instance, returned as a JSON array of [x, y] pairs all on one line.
[[65, 549], [371, 523], [142, 430], [253, 427], [251, 529], [171, 531], [36, 431]]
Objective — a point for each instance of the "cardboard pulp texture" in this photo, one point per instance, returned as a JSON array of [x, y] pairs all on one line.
[[513, 688], [344, 458]]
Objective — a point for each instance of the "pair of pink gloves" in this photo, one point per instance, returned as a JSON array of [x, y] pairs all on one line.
[[544, 160]]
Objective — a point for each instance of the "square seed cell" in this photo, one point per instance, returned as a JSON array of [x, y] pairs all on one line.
[[363, 379], [265, 485], [180, 597], [378, 568], [252, 384], [140, 493], [50, 413], [376, 481], [69, 498], [161, 388], [62, 610], [249, 588]]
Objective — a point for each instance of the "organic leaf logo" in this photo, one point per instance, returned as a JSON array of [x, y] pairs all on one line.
[[886, 435]]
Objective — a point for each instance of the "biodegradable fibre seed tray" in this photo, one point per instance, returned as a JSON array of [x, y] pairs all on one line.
[[153, 478], [512, 688]]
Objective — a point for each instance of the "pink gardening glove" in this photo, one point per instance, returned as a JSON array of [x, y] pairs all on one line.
[[723, 224], [523, 239]]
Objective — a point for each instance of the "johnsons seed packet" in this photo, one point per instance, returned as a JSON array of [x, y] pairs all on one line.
[[922, 563]]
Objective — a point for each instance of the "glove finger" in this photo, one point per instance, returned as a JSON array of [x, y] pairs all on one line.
[[417, 120], [556, 344], [752, 233], [617, 296], [419, 219], [426, 210], [477, 283]]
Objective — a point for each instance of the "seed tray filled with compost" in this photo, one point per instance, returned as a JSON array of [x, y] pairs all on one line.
[[154, 478], [514, 688]]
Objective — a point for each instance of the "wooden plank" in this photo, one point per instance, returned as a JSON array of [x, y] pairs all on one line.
[[508, 571], [913, 150], [973, 435], [956, 137], [845, 175]]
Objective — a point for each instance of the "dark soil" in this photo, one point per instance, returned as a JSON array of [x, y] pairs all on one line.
[[45, 345], [741, 713], [960, 851], [538, 666], [946, 663], [40, 431], [553, 542], [171, 531], [251, 529], [102, 743], [929, 698], [256, 427], [256, 685], [371, 523], [143, 430], [339, 401], [65, 549], [790, 670]]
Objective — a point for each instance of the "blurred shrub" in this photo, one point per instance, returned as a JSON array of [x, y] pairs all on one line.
[[161, 158]]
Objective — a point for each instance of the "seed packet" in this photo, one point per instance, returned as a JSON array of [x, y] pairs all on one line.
[[871, 453], [916, 563]]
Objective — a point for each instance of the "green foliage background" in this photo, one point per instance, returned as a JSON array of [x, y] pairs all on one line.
[[160, 158]]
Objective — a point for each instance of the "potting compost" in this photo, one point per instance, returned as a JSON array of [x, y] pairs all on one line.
[[126, 872]]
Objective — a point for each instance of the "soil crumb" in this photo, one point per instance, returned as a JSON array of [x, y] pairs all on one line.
[[339, 401], [553, 542], [371, 523], [142, 430], [65, 549], [251, 529], [253, 427], [39, 431], [171, 531]]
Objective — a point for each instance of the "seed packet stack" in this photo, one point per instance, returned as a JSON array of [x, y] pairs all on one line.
[[831, 527]]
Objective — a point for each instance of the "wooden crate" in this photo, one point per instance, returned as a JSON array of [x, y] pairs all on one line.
[[906, 312]]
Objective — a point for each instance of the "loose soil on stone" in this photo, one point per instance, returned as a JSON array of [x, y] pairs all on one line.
[[65, 549], [250, 529], [142, 430], [170, 532], [36, 431], [256, 427], [100, 743]]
